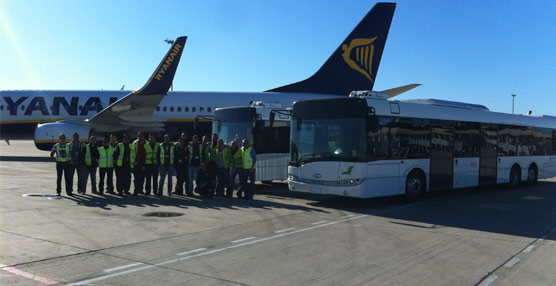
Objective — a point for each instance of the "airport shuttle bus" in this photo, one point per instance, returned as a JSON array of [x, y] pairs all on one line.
[[367, 146], [267, 127]]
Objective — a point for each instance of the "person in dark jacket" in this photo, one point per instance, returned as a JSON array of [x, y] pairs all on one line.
[[90, 157], [205, 181], [181, 158], [122, 157]]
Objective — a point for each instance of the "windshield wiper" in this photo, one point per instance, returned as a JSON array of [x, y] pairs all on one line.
[[306, 157]]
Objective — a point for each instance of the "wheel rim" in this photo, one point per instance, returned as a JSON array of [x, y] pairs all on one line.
[[532, 175], [414, 186]]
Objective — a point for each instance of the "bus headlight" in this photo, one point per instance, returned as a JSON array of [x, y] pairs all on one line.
[[292, 177]]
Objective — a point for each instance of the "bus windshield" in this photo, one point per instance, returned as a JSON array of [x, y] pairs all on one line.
[[234, 123], [232, 130], [327, 140]]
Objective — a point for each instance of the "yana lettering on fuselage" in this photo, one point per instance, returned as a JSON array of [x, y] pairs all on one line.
[[38, 105]]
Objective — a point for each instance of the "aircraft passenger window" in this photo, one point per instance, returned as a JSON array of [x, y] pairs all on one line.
[[209, 109], [201, 109], [23, 107], [164, 109], [172, 109], [186, 109], [179, 108], [158, 108], [193, 109]]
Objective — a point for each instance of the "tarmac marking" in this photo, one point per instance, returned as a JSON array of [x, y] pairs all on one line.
[[243, 239], [28, 275], [191, 251], [512, 262], [284, 230], [346, 216], [122, 267], [104, 277], [319, 222], [529, 248], [489, 280]]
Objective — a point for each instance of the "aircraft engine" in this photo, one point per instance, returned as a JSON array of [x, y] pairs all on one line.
[[46, 134]]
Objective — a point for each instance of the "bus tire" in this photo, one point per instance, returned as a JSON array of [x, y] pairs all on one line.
[[515, 177], [415, 185], [532, 174]]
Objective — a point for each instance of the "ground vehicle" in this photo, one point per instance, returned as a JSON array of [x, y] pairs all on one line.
[[368, 146], [267, 127]]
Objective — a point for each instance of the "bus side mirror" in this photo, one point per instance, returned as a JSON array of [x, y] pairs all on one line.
[[219, 125], [195, 123], [271, 118], [298, 125]]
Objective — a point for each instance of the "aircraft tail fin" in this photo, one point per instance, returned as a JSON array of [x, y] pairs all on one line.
[[161, 80], [354, 64]]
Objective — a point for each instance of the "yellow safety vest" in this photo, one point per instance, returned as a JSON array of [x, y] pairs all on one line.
[[163, 154], [237, 159], [106, 160], [62, 158], [247, 159], [120, 161], [151, 154], [88, 155]]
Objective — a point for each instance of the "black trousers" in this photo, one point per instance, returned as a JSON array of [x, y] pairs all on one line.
[[181, 176], [108, 173], [139, 178], [64, 169], [92, 172], [123, 179], [151, 175], [79, 168]]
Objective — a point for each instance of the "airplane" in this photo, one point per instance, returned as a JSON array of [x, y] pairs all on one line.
[[42, 114]]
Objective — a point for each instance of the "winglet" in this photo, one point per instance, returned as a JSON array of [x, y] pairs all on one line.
[[399, 90], [161, 80]]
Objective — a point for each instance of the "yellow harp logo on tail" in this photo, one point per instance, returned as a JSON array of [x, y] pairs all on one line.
[[363, 51]]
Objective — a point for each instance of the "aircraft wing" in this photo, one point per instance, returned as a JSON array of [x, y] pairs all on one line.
[[137, 108]]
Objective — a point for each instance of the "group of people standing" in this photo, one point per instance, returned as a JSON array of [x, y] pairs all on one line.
[[213, 165]]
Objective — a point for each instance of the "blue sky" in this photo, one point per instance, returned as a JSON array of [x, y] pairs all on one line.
[[473, 51]]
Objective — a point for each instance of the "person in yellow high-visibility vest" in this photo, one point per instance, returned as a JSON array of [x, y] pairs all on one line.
[[105, 166], [223, 161], [249, 159], [236, 167], [152, 150], [166, 165], [63, 164]]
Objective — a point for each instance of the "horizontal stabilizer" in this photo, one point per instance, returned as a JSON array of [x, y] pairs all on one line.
[[399, 90]]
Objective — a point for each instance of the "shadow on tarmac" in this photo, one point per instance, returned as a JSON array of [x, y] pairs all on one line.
[[109, 201]]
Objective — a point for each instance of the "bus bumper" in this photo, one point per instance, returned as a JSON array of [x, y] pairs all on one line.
[[346, 191]]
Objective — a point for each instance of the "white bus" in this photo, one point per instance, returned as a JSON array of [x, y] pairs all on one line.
[[267, 127], [367, 146]]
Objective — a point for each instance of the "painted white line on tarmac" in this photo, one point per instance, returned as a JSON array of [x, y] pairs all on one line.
[[191, 251], [320, 222], [28, 275], [122, 267], [346, 216], [284, 230], [489, 280], [243, 239], [512, 262], [108, 276], [529, 248]]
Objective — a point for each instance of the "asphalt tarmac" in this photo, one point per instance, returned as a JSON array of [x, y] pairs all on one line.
[[481, 236]]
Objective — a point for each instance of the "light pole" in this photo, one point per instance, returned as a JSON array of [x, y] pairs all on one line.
[[513, 100]]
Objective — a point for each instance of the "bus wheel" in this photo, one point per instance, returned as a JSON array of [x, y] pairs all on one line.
[[414, 186], [532, 174], [515, 177]]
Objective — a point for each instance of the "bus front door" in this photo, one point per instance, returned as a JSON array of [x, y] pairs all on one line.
[[442, 156]]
